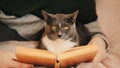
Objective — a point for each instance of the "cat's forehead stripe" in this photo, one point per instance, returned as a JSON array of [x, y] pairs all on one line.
[[60, 16], [59, 24]]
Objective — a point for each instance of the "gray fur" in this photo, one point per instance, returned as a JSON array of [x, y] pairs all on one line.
[[60, 21]]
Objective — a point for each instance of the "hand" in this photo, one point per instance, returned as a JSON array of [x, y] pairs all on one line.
[[8, 60], [101, 48]]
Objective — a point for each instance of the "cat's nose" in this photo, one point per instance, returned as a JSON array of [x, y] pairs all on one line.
[[59, 36]]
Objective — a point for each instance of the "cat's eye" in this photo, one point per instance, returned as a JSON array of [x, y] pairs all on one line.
[[54, 27], [66, 28]]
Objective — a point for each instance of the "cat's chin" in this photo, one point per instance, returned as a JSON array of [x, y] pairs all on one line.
[[59, 38], [58, 45]]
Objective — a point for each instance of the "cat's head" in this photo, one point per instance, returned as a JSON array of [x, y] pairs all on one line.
[[60, 26]]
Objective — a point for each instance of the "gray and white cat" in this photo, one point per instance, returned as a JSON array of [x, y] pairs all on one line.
[[60, 32]]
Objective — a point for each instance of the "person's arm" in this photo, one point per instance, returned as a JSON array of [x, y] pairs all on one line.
[[101, 41], [8, 56], [97, 37], [7, 60]]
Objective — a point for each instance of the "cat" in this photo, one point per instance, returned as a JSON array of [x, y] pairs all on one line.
[[61, 32]]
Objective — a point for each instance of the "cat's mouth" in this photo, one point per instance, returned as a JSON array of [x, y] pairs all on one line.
[[63, 38], [59, 36]]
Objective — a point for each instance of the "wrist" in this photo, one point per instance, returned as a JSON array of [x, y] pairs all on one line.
[[99, 39]]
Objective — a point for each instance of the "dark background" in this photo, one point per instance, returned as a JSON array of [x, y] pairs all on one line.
[[19, 8]]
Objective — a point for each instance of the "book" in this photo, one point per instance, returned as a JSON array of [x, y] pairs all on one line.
[[46, 58]]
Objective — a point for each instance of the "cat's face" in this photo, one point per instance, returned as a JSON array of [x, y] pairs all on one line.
[[60, 26]]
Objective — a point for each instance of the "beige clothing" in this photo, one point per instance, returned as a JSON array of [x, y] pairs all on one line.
[[108, 12]]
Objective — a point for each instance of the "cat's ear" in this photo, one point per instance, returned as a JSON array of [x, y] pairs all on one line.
[[73, 16], [46, 16]]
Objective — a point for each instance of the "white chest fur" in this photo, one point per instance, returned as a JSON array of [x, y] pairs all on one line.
[[59, 45]]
